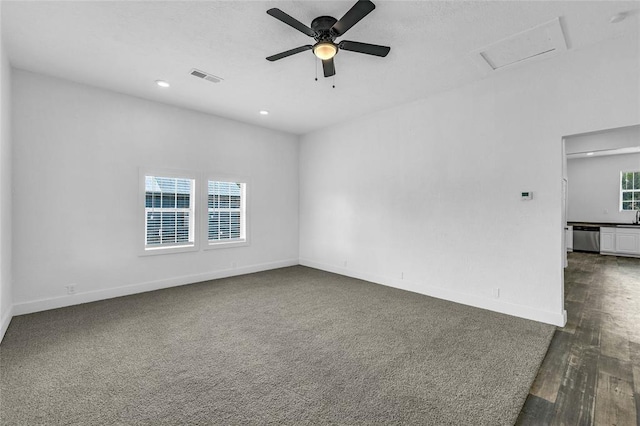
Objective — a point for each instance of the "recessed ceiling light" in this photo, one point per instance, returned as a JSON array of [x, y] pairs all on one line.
[[162, 83], [263, 112], [589, 153], [618, 17]]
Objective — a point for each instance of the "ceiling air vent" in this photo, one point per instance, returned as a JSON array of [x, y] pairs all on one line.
[[537, 42], [205, 76]]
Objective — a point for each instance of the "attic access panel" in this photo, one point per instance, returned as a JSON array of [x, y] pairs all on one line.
[[538, 42]]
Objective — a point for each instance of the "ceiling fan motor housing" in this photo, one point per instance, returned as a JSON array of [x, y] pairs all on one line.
[[322, 27]]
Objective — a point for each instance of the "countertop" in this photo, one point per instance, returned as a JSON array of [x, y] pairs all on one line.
[[604, 224]]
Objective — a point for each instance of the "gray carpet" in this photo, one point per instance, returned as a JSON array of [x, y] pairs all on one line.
[[289, 346]]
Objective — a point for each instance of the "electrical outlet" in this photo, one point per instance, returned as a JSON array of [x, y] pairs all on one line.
[[496, 293], [71, 288]]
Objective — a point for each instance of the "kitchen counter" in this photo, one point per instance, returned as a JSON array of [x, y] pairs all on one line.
[[609, 238], [604, 224]]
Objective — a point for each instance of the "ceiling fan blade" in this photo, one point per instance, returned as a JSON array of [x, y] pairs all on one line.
[[369, 49], [359, 10], [278, 14], [328, 67], [289, 53]]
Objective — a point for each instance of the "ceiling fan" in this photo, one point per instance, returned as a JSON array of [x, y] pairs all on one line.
[[325, 29]]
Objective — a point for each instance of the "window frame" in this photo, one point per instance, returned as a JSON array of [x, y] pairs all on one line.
[[194, 201], [622, 191], [244, 211]]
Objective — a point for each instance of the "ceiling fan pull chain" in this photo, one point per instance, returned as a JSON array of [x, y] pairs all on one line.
[[334, 81], [315, 63]]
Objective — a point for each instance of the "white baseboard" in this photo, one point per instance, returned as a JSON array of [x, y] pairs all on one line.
[[4, 322], [93, 296], [605, 253], [521, 311], [553, 318]]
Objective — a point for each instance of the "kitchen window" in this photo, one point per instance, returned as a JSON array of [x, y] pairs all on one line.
[[630, 191]]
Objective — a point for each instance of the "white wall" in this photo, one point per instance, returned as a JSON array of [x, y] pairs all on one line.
[[77, 151], [426, 196], [5, 190], [594, 188], [624, 137], [594, 182]]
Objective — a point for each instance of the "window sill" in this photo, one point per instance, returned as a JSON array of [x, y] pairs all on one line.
[[227, 244], [168, 250]]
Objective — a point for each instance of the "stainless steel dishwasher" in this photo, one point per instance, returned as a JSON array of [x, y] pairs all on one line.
[[586, 238]]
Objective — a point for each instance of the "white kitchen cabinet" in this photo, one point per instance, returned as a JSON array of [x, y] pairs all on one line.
[[620, 241], [607, 240], [628, 241]]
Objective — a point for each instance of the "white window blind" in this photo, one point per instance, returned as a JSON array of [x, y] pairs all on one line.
[[169, 212], [630, 191], [226, 211]]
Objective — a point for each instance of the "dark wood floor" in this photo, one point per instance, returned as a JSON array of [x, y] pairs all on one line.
[[591, 373]]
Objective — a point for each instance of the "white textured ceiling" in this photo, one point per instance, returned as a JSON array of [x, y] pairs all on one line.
[[125, 46]]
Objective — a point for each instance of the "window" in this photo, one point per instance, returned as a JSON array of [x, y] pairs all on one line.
[[177, 217], [630, 191], [226, 212], [169, 212]]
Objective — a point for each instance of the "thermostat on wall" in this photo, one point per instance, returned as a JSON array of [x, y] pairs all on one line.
[[525, 196]]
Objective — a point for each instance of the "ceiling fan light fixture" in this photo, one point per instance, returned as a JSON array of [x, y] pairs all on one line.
[[325, 50]]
